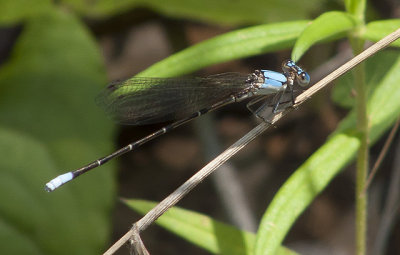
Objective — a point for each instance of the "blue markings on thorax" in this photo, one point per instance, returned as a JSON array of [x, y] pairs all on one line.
[[273, 82], [274, 76]]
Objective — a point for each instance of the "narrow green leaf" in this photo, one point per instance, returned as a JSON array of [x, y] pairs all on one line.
[[313, 176], [201, 230], [301, 188], [233, 45], [378, 29], [49, 124], [328, 26], [238, 12]]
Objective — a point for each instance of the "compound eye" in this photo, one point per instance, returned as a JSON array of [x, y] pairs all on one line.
[[303, 79], [287, 66]]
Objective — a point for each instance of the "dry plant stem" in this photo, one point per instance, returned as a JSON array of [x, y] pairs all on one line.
[[127, 236], [382, 154], [185, 188], [137, 245], [178, 194]]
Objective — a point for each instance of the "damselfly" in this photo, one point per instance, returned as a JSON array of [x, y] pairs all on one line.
[[141, 101]]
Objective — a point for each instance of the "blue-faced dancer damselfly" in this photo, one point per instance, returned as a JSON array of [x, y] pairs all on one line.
[[141, 101]]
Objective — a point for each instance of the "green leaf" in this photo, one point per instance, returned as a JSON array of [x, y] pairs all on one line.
[[233, 45], [201, 230], [356, 8], [378, 29], [12, 11], [316, 173], [327, 27], [375, 70], [49, 124], [31, 219], [226, 12]]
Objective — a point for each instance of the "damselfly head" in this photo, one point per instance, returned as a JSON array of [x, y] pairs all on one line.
[[303, 79], [292, 70]]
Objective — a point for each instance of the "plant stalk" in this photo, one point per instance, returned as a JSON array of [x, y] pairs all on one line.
[[363, 152]]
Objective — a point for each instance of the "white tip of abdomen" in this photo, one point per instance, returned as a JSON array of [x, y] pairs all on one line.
[[58, 181]]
